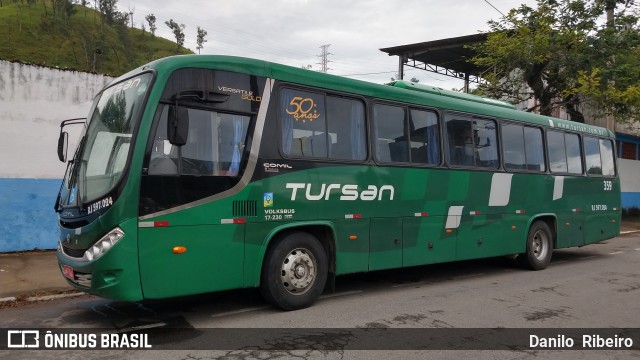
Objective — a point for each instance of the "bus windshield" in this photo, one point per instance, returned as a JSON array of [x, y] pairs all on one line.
[[103, 149]]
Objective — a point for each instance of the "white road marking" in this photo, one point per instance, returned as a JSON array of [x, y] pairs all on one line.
[[616, 253]]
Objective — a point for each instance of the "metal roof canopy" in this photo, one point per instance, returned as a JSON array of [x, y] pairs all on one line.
[[446, 57]]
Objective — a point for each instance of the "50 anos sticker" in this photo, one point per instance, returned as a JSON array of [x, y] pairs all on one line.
[[100, 204]]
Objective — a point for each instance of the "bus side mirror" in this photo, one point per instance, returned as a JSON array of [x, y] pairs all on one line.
[[178, 125], [63, 143]]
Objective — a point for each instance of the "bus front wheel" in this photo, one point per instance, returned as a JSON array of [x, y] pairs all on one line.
[[539, 247], [294, 272]]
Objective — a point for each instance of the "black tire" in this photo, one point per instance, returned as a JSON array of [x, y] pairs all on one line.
[[294, 271], [539, 247]]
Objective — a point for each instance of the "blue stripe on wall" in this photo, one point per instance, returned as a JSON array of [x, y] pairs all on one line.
[[26, 211], [631, 199]]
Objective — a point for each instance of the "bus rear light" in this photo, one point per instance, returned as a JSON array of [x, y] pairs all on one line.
[[161, 223], [179, 250], [421, 214], [520, 211], [474, 213], [353, 216]]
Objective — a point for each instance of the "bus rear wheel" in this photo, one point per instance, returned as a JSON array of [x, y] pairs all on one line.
[[294, 272], [539, 247]]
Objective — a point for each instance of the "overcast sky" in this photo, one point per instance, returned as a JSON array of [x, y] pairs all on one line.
[[291, 31]]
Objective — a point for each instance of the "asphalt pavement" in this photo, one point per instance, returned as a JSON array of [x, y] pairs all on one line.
[[35, 275]]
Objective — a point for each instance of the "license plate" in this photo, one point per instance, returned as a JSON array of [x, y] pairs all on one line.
[[68, 272]]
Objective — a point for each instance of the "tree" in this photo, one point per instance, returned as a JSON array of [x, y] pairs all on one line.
[[178, 31], [202, 33], [108, 10], [560, 55], [151, 20]]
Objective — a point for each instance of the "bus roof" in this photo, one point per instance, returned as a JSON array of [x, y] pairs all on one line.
[[402, 91]]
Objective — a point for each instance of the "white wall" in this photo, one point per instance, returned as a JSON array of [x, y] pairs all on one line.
[[629, 175], [33, 102]]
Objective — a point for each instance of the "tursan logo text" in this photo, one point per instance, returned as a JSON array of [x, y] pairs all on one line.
[[348, 192]]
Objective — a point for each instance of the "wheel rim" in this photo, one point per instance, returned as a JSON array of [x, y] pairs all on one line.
[[298, 271], [540, 245]]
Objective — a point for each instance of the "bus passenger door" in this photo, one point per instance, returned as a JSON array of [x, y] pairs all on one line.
[[385, 243]]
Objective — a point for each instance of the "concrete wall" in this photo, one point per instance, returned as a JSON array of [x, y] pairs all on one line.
[[630, 182], [33, 102]]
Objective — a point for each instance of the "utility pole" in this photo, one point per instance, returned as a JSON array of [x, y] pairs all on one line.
[[324, 58]]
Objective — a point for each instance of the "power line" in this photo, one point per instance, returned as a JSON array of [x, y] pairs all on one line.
[[495, 8]]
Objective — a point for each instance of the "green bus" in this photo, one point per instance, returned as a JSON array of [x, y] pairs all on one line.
[[197, 174]]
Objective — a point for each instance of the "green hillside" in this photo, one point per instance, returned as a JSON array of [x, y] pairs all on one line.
[[37, 34]]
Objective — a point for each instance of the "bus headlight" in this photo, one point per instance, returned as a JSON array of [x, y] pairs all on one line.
[[104, 244]]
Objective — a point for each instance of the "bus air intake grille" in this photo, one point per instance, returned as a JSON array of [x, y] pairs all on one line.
[[245, 208], [76, 253]]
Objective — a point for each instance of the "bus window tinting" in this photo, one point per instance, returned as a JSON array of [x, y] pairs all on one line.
[[523, 149], [472, 142], [304, 125], [599, 156], [406, 135], [424, 137], [391, 142], [347, 135], [574, 156], [608, 161], [513, 146], [564, 152], [312, 129]]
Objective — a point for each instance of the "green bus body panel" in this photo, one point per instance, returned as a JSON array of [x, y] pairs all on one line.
[[385, 243], [388, 232], [214, 259], [426, 241]]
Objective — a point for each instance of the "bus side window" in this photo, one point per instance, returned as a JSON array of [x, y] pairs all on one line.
[[303, 124], [346, 129], [599, 156], [459, 136], [391, 139], [424, 137]]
